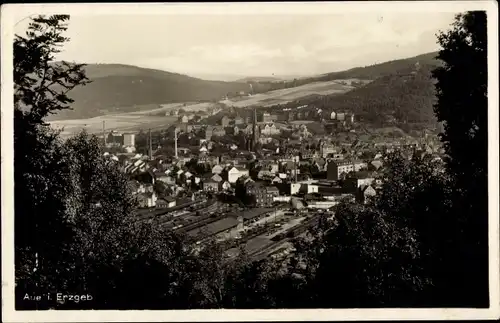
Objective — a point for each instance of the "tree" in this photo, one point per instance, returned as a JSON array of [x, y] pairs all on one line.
[[465, 139], [40, 173], [72, 209], [462, 107], [160, 188], [41, 85]]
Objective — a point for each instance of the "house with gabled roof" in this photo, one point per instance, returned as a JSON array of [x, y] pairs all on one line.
[[277, 179], [217, 169], [226, 185], [236, 172], [217, 178], [365, 193]]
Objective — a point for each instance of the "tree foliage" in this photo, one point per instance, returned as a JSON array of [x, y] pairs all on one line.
[[462, 106], [422, 241]]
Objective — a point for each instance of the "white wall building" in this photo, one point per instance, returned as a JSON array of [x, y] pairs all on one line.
[[129, 140]]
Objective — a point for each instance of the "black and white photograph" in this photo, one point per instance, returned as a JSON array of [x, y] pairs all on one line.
[[250, 161]]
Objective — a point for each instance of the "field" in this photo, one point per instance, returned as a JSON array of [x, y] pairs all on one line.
[[153, 116], [127, 121], [287, 95]]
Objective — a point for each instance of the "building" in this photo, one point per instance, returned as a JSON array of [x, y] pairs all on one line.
[[264, 195], [129, 140], [310, 188], [225, 121], [265, 174], [271, 192], [184, 119], [171, 202], [376, 164], [217, 169], [161, 177], [114, 139], [184, 127], [218, 132], [365, 193], [238, 120], [338, 169], [327, 149], [266, 117], [269, 130], [355, 181], [210, 186], [245, 129], [233, 174], [225, 185], [217, 178], [161, 203], [167, 202], [209, 132], [294, 188], [147, 200]]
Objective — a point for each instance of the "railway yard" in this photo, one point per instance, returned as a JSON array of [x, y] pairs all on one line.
[[263, 232]]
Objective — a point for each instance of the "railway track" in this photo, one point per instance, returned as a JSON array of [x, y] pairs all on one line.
[[283, 238], [264, 252], [158, 215], [200, 220]]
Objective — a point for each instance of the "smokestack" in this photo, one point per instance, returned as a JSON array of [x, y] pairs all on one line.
[[104, 132], [295, 166], [175, 141], [150, 146], [254, 130]]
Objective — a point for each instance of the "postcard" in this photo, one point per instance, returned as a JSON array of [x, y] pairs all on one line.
[[250, 161]]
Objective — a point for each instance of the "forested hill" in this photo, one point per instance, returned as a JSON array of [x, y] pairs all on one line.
[[121, 88], [116, 88], [401, 90], [404, 96], [372, 72]]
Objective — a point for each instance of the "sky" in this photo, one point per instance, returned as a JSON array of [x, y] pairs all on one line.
[[252, 45]]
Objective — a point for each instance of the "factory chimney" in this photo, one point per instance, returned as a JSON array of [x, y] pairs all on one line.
[[295, 166], [104, 132], [150, 146], [255, 135], [175, 142]]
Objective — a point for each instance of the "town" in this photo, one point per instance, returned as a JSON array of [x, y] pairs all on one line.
[[245, 161], [255, 177]]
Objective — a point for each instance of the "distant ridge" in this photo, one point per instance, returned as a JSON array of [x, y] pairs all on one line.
[[118, 87], [375, 71], [401, 89], [122, 88]]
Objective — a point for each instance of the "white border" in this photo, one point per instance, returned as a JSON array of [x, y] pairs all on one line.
[[313, 8]]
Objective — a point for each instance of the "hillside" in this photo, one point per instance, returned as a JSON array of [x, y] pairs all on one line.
[[402, 97], [258, 79], [402, 91], [408, 97], [123, 88], [372, 72]]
